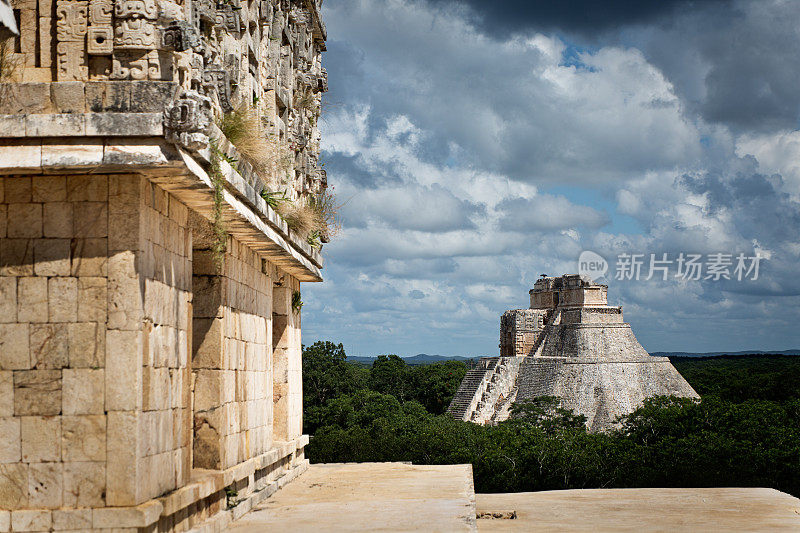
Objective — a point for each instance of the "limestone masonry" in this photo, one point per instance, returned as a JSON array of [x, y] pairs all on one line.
[[150, 349], [571, 344]]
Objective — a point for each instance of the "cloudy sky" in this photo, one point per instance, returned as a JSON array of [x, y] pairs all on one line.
[[478, 144]]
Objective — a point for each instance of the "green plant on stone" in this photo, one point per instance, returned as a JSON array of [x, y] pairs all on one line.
[[314, 240], [230, 497], [297, 303], [275, 198], [220, 244]]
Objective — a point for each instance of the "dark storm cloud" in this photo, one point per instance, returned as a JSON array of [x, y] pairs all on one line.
[[501, 18]]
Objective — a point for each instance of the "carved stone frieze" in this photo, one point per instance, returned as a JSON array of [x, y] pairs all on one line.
[[71, 61], [100, 40], [322, 81], [228, 18], [100, 12], [136, 9], [218, 78], [131, 65], [188, 119], [179, 36], [72, 20], [204, 10], [135, 34]]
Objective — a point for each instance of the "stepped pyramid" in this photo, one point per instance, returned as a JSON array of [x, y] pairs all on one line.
[[571, 344]]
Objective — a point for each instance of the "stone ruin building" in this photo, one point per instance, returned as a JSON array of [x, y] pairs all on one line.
[[570, 344], [150, 352]]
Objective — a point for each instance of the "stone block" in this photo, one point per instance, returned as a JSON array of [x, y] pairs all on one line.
[[49, 346], [57, 219], [14, 347], [12, 126], [123, 370], [123, 450], [41, 439], [83, 391], [91, 219], [84, 484], [207, 442], [31, 520], [16, 257], [32, 299], [24, 220], [203, 263], [108, 96], [10, 440], [124, 226], [208, 389], [71, 153], [21, 155], [156, 389], [17, 190], [150, 96], [51, 257], [124, 124], [207, 343], [92, 299], [68, 97], [5, 521], [37, 392], [72, 519], [140, 516], [49, 189], [84, 438], [208, 295], [125, 306], [55, 125], [13, 485], [6, 394], [27, 98], [87, 188], [86, 345], [62, 294], [45, 485], [90, 257], [178, 212], [126, 151]]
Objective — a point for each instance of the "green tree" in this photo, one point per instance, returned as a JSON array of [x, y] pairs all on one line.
[[391, 375], [435, 385], [326, 375]]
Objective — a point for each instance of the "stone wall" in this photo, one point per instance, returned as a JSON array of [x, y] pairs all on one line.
[[260, 54], [103, 399], [150, 348]]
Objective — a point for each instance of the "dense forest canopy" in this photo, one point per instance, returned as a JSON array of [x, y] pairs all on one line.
[[745, 431]]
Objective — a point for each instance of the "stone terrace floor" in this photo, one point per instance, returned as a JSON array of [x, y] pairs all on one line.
[[369, 497], [714, 509], [403, 497]]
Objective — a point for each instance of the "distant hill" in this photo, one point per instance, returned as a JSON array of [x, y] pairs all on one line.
[[717, 354], [427, 359], [419, 359]]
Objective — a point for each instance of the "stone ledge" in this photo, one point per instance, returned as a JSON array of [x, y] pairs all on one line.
[[147, 515], [222, 520], [116, 96], [247, 215], [249, 223], [207, 482], [82, 125]]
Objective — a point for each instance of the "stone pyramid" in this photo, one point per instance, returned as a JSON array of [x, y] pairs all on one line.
[[571, 344]]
